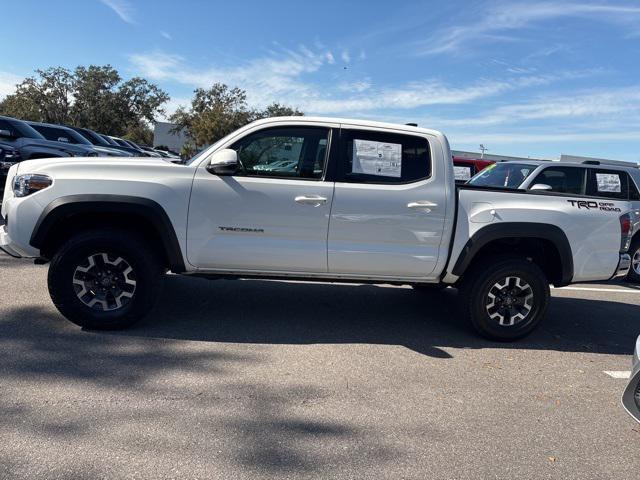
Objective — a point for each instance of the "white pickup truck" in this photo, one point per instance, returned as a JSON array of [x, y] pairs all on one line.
[[306, 198]]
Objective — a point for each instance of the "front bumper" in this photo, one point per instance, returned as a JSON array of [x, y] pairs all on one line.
[[631, 395], [5, 243], [624, 264]]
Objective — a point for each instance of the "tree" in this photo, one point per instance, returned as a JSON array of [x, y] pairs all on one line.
[[46, 97], [278, 110], [218, 111], [97, 101], [214, 113], [93, 97]]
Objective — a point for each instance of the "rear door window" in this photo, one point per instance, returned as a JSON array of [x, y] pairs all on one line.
[[382, 157], [563, 179], [608, 183]]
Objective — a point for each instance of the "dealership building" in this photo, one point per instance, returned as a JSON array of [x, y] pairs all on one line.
[[163, 135]]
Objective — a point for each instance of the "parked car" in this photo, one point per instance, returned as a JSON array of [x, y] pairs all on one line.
[[169, 156], [465, 168], [9, 156], [150, 151], [97, 140], [379, 205], [31, 144], [631, 395], [162, 154], [124, 145], [63, 134], [596, 179]]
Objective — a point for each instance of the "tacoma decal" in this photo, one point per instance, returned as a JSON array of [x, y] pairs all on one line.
[[241, 229], [590, 205]]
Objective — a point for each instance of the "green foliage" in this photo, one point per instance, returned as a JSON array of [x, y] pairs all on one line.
[[93, 97], [139, 133], [218, 111]]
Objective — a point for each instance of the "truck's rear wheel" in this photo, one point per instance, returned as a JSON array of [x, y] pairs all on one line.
[[505, 299], [104, 279], [634, 272]]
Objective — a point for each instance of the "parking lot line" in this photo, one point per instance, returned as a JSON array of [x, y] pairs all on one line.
[[625, 374]]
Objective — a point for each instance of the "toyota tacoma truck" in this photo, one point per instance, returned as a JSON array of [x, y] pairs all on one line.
[[306, 198]]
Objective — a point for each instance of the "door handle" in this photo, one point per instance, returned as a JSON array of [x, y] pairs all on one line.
[[423, 205], [315, 200]]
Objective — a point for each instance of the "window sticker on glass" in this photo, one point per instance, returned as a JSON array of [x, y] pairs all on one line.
[[462, 173], [377, 158], [609, 182]]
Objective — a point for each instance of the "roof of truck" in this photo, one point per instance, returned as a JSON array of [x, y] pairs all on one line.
[[352, 121]]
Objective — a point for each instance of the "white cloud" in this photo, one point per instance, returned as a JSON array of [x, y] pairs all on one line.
[[595, 106], [282, 78], [509, 16], [330, 59], [121, 8], [166, 35], [538, 138], [346, 58], [8, 83]]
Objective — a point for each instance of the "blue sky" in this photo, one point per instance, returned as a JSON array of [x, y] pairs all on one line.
[[534, 78]]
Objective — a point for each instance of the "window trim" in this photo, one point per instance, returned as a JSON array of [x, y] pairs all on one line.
[[340, 170], [327, 152]]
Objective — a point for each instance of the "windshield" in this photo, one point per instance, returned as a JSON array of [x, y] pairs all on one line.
[[504, 175], [57, 134], [93, 137]]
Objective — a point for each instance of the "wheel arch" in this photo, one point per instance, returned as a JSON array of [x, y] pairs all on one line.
[[143, 214], [546, 243]]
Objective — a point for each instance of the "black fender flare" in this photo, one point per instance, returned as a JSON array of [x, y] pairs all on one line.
[[543, 231], [65, 207]]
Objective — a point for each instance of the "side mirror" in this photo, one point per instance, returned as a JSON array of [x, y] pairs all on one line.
[[6, 134], [223, 162], [541, 186]]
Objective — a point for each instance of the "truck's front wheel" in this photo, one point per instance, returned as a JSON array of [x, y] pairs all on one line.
[[506, 298], [104, 279]]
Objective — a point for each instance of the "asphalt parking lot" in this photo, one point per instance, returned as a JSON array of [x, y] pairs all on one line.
[[257, 379]]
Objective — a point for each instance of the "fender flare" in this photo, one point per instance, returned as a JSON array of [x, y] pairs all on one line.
[[65, 207], [543, 231]]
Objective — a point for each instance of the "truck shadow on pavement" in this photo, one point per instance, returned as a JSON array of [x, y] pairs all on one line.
[[146, 390], [265, 312], [62, 387]]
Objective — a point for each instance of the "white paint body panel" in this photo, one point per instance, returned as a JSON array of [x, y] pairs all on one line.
[[363, 231]]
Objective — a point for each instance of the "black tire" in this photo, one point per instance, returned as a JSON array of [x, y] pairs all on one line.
[[634, 272], [498, 318], [77, 265]]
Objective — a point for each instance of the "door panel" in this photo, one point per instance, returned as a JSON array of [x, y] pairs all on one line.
[[392, 229], [273, 215], [256, 224]]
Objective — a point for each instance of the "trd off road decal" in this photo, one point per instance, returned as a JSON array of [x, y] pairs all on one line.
[[591, 205]]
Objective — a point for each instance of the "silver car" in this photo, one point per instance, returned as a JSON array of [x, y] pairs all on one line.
[[631, 395]]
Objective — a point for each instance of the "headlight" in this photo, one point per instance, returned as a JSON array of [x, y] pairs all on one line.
[[29, 183]]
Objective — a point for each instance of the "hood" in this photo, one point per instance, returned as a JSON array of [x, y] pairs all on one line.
[[99, 164], [65, 147]]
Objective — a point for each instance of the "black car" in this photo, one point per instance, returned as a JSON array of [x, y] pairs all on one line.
[[97, 140], [31, 144], [66, 135], [9, 156]]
